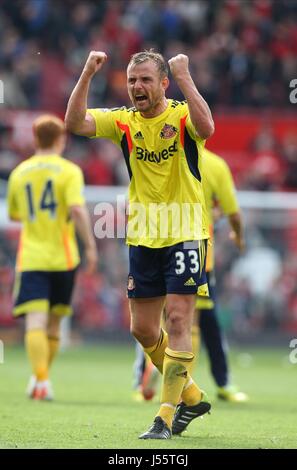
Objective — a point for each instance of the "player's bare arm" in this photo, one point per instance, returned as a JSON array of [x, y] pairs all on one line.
[[236, 234], [199, 110], [81, 218], [76, 118]]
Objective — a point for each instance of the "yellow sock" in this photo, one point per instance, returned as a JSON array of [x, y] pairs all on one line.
[[38, 351], [195, 334], [156, 352], [191, 394], [53, 345], [176, 365]]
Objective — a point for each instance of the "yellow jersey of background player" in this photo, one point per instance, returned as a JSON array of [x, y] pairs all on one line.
[[218, 186], [41, 190], [45, 195]]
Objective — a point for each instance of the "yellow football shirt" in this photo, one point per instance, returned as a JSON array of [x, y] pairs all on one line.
[[162, 154], [40, 191], [218, 185]]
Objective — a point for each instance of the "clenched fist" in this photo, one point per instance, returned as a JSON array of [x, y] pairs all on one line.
[[94, 62], [179, 65]]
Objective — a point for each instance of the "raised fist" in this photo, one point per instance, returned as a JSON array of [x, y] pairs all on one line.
[[179, 65], [94, 62]]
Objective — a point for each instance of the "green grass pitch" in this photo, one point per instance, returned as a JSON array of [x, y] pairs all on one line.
[[93, 406]]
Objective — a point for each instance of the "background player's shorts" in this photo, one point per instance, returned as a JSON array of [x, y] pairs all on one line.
[[207, 303], [43, 291], [177, 269]]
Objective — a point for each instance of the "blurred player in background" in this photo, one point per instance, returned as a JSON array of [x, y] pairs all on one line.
[[45, 193], [161, 140], [219, 188]]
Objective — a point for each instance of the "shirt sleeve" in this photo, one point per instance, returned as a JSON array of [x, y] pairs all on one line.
[[191, 129], [12, 204], [74, 194], [226, 191], [106, 123]]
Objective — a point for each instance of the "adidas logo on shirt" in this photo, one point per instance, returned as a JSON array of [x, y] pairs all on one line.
[[190, 282], [138, 135]]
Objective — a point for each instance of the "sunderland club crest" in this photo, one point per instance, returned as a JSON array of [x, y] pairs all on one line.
[[168, 131], [130, 283]]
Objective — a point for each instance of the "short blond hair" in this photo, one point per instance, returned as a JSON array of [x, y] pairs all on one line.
[[47, 129], [155, 57]]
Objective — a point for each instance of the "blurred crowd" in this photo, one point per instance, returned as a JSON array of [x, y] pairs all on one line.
[[268, 163], [257, 291], [243, 55], [242, 52]]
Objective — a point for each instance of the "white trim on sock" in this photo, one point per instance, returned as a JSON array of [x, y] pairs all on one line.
[[191, 381], [169, 405]]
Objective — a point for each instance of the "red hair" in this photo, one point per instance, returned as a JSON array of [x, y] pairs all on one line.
[[47, 129]]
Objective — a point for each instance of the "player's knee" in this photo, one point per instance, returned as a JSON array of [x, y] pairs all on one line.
[[178, 317], [36, 321], [184, 304], [175, 323]]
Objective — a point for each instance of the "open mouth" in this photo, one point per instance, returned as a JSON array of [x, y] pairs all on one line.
[[140, 98]]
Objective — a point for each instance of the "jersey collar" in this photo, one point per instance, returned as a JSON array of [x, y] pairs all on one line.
[[158, 118]]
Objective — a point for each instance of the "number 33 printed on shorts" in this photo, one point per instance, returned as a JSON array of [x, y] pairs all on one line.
[[180, 261]]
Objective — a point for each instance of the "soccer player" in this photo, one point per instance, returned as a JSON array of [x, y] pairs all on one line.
[[45, 193], [218, 187], [161, 140]]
